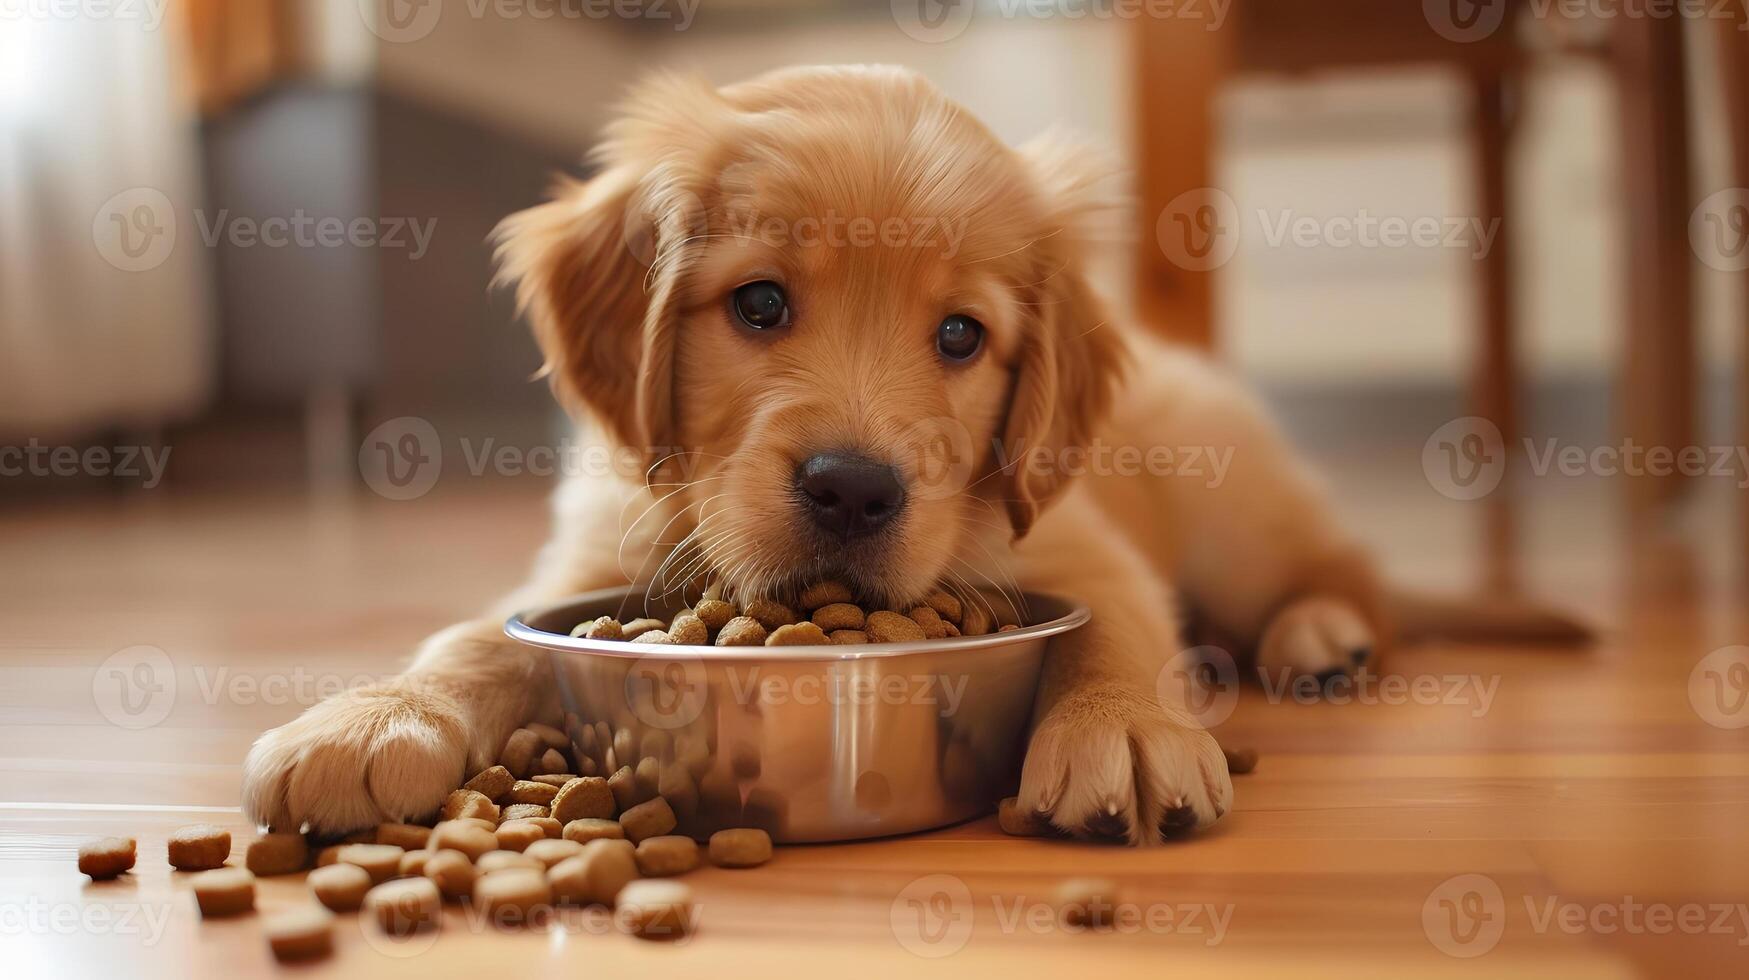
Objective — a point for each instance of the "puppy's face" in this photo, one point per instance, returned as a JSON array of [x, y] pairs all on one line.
[[834, 311]]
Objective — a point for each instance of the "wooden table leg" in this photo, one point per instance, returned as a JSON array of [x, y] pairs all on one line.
[[1733, 49], [1494, 380], [1182, 65], [1658, 371]]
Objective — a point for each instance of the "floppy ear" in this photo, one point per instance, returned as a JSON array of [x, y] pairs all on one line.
[[1072, 360], [597, 270]]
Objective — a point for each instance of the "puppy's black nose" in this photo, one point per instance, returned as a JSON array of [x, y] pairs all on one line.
[[849, 495]]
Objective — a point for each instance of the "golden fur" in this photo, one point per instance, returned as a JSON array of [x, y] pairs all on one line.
[[624, 279]]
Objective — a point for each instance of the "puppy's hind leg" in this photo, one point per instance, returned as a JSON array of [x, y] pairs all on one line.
[[1247, 534]]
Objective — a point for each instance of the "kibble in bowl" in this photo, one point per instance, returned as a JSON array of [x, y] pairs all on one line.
[[784, 719]]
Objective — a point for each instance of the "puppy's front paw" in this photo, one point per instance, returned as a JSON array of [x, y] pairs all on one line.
[[1316, 639], [1115, 765], [360, 758]]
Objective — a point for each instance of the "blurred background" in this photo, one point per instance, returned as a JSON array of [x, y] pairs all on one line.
[[242, 234]]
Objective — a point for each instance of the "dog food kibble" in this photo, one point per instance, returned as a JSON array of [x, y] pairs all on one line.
[[592, 828], [517, 835], [548, 826], [655, 909], [659, 857], [502, 860], [1007, 629], [529, 791], [647, 774], [300, 934], [523, 811], [452, 873], [381, 861], [223, 891], [825, 594], [521, 750], [509, 896], [554, 779], [551, 852], [601, 628], [472, 841], [742, 847], [552, 760], [491, 783], [838, 616], [467, 803], [830, 607], [651, 818], [946, 604], [1016, 822], [1241, 761], [413, 863], [624, 787], [404, 905], [407, 836], [976, 621], [201, 847], [552, 737], [890, 627], [742, 631], [341, 887], [596, 875], [106, 858], [277, 854], [770, 614], [690, 630], [796, 635], [934, 627], [1087, 902], [585, 796], [715, 613]]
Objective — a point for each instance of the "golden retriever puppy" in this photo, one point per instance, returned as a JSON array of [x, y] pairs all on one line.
[[853, 334]]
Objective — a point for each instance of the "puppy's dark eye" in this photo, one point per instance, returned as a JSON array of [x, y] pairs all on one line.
[[761, 305], [959, 337]]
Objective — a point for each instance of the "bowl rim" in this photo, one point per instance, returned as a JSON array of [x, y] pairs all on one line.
[[517, 627]]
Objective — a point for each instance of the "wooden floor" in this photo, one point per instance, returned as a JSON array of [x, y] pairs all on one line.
[[1526, 813]]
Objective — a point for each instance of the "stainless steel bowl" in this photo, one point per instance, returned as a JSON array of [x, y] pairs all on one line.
[[817, 743]]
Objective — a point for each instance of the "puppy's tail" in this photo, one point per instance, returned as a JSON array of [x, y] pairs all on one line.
[[1420, 616]]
